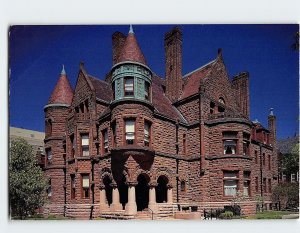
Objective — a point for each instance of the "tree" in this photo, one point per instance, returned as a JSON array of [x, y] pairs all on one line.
[[27, 184], [287, 195], [290, 162]]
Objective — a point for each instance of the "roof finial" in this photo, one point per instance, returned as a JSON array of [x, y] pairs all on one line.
[[271, 112], [131, 29], [63, 72]]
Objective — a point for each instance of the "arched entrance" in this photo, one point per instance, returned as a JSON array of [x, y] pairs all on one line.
[[108, 189], [161, 189], [142, 192], [123, 190]]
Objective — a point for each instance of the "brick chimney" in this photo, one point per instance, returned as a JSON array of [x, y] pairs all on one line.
[[118, 40], [240, 83], [272, 127], [173, 63]]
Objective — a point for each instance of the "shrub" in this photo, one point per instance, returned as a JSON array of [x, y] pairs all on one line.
[[226, 215]]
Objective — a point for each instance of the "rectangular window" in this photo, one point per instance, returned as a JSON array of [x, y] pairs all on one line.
[[129, 131], [85, 145], [256, 157], [269, 185], [246, 143], [129, 86], [73, 186], [114, 132], [147, 91], [85, 186], [49, 156], [184, 143], [105, 141], [265, 185], [263, 159], [246, 183], [147, 127], [229, 142], [72, 146], [230, 183], [269, 162], [49, 189], [256, 184]]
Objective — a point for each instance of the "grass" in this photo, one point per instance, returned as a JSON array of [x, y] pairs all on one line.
[[270, 215]]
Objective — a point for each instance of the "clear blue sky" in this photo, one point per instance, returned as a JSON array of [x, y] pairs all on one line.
[[38, 52]]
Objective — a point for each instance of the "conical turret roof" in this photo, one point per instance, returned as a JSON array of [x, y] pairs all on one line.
[[131, 50], [63, 92]]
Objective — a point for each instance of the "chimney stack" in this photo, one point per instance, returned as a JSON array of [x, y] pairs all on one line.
[[173, 63], [240, 83]]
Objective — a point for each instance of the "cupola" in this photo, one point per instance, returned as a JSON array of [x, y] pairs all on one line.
[[131, 77]]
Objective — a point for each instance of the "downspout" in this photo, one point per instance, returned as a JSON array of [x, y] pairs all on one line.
[[177, 164], [65, 184], [93, 192]]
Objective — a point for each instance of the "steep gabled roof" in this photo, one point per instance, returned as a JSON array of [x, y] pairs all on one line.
[[131, 51], [192, 80], [63, 92], [160, 101], [103, 89]]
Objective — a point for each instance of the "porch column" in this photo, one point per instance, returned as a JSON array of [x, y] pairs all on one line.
[[152, 197], [170, 194], [115, 205], [103, 205], [131, 207]]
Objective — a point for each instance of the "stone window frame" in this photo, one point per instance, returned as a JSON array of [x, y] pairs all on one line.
[[85, 191], [233, 137], [128, 78], [73, 186], [129, 118], [84, 146], [105, 143], [183, 186], [236, 179]]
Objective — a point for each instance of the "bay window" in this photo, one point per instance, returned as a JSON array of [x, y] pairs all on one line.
[[129, 131], [229, 142]]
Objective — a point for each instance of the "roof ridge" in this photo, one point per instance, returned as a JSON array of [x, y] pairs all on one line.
[[200, 68]]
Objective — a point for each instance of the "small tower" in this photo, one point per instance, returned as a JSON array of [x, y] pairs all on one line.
[[56, 113], [131, 77]]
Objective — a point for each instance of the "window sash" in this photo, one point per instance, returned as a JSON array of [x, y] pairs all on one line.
[[85, 151], [230, 175], [230, 187], [129, 84], [246, 188], [85, 181], [85, 140]]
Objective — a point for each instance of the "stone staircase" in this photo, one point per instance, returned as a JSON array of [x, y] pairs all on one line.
[[165, 211], [118, 215], [144, 215], [78, 211]]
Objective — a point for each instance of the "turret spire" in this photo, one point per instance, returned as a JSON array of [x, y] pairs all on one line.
[[63, 72], [131, 29]]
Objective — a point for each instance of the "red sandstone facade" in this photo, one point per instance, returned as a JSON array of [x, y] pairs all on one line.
[[190, 142]]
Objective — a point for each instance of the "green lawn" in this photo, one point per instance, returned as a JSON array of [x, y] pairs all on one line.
[[270, 215]]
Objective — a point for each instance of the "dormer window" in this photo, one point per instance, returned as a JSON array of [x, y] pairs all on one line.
[[129, 86]]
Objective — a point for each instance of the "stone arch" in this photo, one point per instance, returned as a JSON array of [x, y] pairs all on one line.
[[106, 172], [167, 173]]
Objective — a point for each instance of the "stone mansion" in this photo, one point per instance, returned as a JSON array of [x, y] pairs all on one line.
[[134, 144]]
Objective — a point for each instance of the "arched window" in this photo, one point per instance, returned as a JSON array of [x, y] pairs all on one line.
[[221, 100]]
